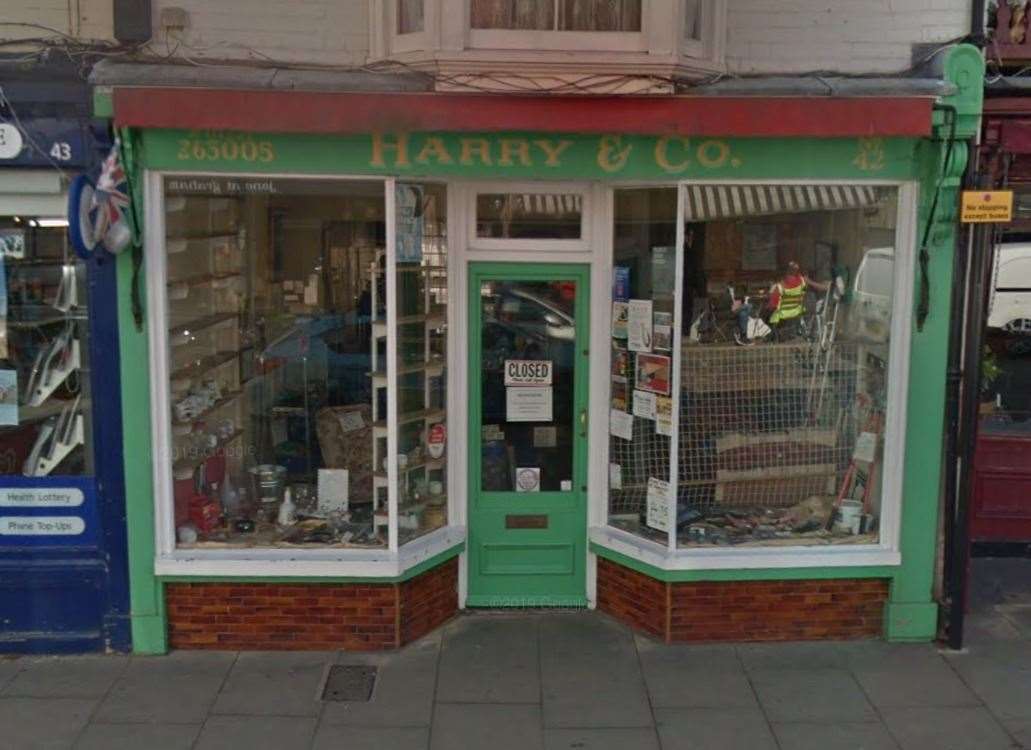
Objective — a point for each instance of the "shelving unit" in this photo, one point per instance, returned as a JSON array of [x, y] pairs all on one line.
[[46, 327], [204, 242], [429, 319]]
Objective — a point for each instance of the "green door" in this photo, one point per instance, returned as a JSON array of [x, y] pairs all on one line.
[[528, 327]]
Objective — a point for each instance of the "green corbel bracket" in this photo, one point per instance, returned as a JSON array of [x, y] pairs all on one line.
[[963, 68]]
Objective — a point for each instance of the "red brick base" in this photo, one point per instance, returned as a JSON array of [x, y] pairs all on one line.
[[310, 616], [743, 610]]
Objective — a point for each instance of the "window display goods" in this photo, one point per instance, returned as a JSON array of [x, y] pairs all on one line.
[[784, 319], [279, 361]]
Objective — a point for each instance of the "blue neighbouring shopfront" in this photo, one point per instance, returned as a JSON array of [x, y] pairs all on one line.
[[63, 573]]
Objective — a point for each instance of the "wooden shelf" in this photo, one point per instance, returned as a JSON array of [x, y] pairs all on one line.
[[379, 427], [201, 324], [211, 409], [205, 278], [379, 377], [193, 463], [206, 365], [431, 464]]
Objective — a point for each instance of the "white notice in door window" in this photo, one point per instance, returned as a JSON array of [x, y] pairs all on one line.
[[528, 404], [639, 325], [658, 504], [528, 479]]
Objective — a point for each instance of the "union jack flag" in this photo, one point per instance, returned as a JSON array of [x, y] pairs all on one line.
[[111, 197]]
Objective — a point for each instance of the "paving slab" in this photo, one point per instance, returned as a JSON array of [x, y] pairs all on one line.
[[138, 737], [824, 695], [931, 684], [280, 683], [1005, 691], [42, 723], [590, 674], [700, 676], [179, 688], [988, 627], [1020, 617], [1020, 730], [66, 676], [368, 738], [498, 727], [9, 667], [256, 733], [490, 660], [946, 729], [713, 729], [805, 736], [404, 690], [600, 739], [803, 655]]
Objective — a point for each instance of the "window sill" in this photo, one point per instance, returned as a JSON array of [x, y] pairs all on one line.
[[288, 563], [729, 558]]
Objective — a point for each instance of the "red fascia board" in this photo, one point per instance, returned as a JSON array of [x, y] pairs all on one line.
[[349, 113]]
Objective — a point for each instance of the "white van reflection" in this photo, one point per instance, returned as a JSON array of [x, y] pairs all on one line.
[[870, 315]]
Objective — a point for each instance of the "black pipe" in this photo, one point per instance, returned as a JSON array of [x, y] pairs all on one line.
[[953, 380], [982, 250], [977, 35]]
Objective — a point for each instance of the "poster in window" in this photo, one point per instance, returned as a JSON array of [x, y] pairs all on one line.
[[8, 397], [653, 373], [759, 251], [619, 320], [408, 215], [620, 365], [639, 325], [663, 271], [662, 332], [658, 504], [621, 283]]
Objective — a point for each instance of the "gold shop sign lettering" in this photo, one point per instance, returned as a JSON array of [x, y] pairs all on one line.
[[610, 154], [986, 206]]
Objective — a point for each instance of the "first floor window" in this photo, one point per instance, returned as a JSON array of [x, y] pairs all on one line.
[[557, 15]]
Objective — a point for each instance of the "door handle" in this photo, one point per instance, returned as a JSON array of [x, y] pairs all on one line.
[[583, 422]]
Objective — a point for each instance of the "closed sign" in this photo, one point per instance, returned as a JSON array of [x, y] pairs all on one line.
[[527, 372]]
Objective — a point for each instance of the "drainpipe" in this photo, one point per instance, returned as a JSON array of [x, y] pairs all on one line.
[[977, 13], [979, 269]]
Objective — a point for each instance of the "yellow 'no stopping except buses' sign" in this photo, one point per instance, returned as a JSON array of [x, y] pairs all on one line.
[[986, 206]]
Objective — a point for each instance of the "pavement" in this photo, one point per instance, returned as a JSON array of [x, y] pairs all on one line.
[[572, 680]]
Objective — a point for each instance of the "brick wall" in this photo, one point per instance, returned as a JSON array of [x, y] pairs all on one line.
[[309, 616], [743, 610], [852, 36]]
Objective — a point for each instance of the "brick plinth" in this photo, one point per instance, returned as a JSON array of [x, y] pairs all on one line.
[[836, 609], [310, 616]]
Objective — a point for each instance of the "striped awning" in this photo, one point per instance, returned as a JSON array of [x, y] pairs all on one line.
[[714, 202], [550, 204]]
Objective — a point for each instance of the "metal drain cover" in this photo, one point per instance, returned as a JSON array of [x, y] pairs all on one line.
[[349, 683]]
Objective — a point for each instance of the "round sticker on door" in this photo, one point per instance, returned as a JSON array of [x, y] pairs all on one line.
[[436, 441], [528, 479]]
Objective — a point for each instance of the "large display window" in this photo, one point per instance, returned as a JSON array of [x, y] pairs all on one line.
[[299, 345], [760, 354]]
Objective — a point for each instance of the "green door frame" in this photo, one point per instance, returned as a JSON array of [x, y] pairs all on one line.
[[536, 570]]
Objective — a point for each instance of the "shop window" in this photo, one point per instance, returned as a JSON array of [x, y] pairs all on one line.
[[785, 325], [1006, 360], [519, 216], [284, 358], [45, 424], [641, 397], [557, 15]]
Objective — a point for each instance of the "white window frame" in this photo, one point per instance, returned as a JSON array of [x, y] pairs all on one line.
[[887, 552], [448, 33], [386, 562], [583, 244]]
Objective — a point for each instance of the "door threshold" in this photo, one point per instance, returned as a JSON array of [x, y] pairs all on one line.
[[516, 602]]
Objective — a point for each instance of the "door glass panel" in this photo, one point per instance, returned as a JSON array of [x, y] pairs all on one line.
[[527, 361]]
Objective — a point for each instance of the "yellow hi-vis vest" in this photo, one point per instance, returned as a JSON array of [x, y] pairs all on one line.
[[791, 303]]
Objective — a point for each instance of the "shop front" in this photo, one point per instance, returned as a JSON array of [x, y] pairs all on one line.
[[691, 375]]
